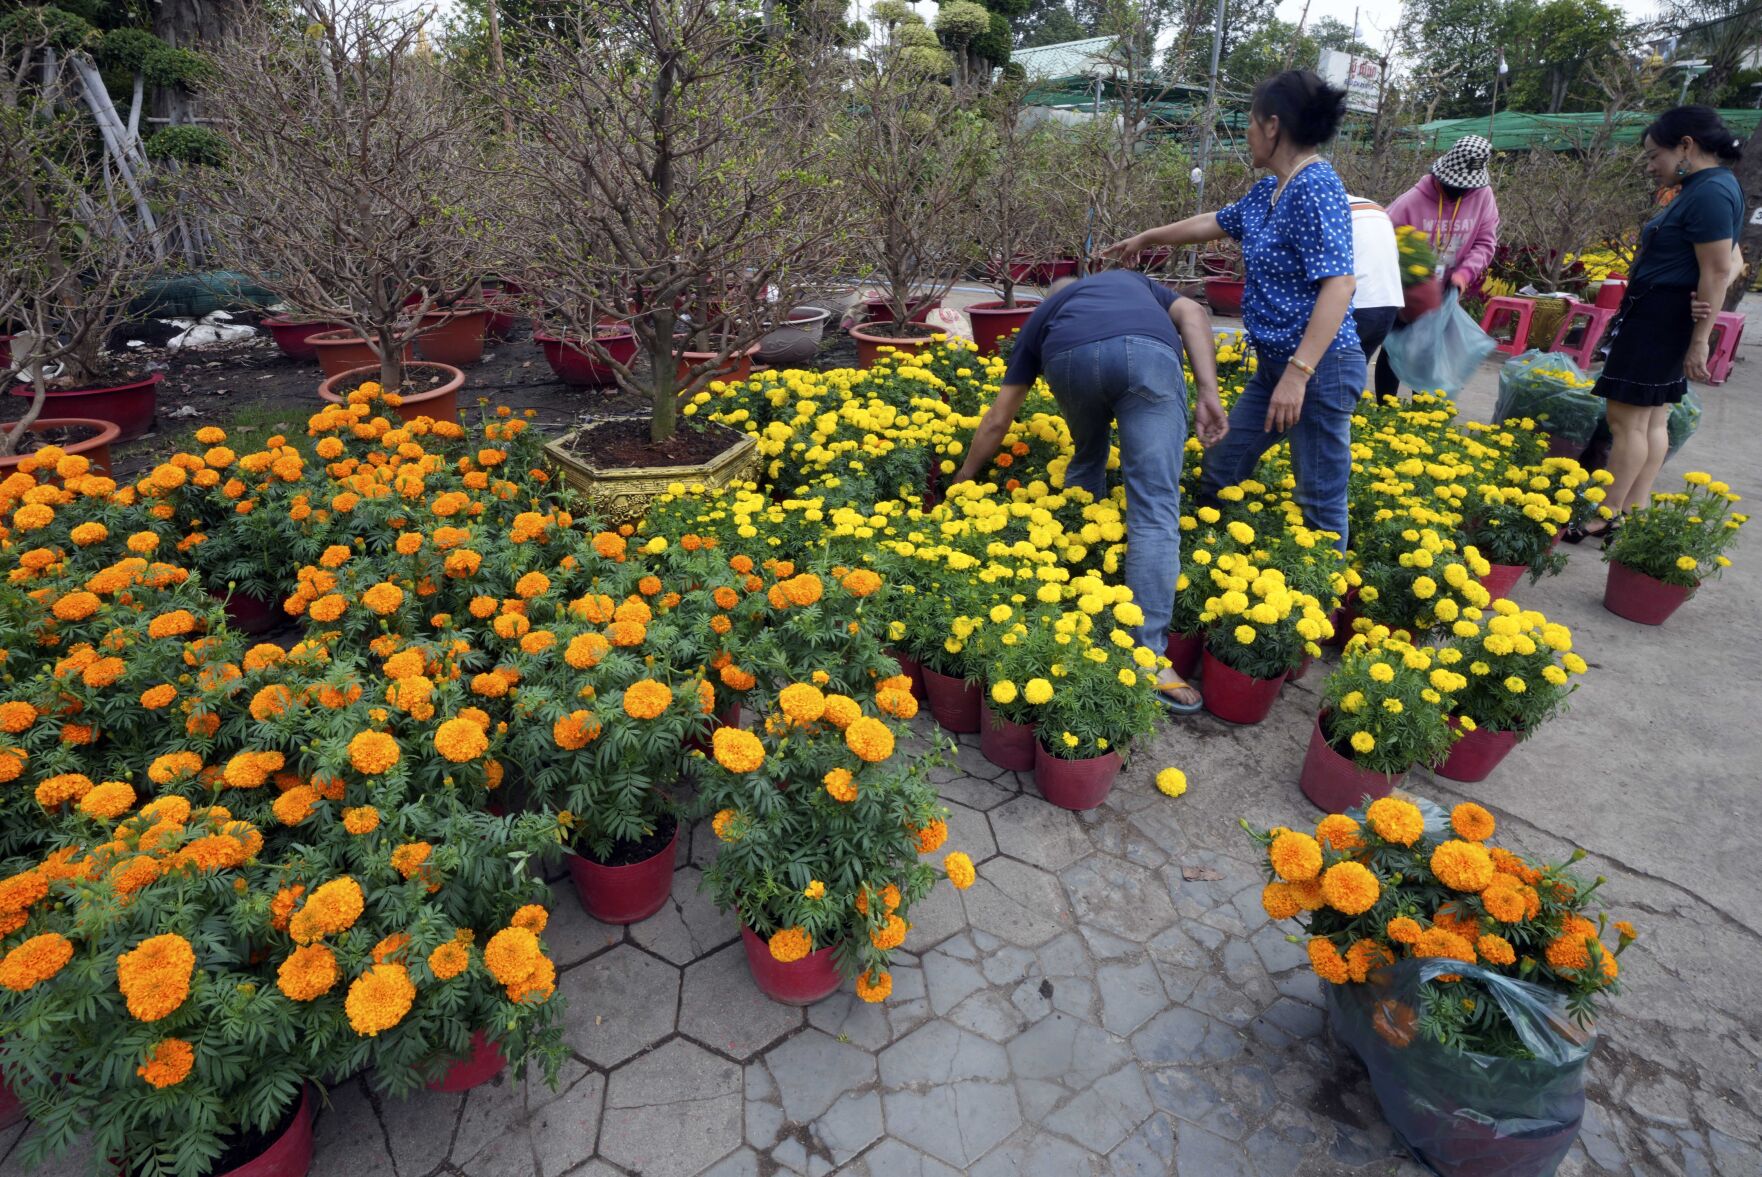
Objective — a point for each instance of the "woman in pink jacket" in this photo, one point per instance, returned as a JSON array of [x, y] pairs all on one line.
[[1453, 206]]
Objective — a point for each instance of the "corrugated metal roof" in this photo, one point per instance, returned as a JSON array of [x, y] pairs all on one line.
[[1066, 59], [1513, 130]]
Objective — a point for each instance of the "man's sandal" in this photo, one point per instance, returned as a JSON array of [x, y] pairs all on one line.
[[1165, 696]]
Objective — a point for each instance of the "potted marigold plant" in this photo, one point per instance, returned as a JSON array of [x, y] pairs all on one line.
[[1466, 978], [1255, 636], [1515, 523], [1518, 667], [1385, 708], [1660, 554], [822, 828], [1413, 577], [1095, 698], [1018, 649]]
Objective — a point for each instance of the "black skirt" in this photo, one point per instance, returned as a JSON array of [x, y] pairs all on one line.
[[1652, 335]]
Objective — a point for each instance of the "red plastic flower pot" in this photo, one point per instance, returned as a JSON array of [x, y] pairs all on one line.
[[1342, 619], [1475, 755], [291, 1153], [1302, 669], [1502, 578], [453, 337], [1183, 651], [624, 894], [912, 669], [1234, 696], [440, 403], [953, 701], [734, 367], [1005, 744], [504, 315], [249, 613], [1641, 598], [1336, 783], [799, 982], [94, 447], [11, 1110], [129, 406], [1225, 295], [869, 344], [484, 1063], [993, 322], [344, 351], [879, 310], [1075, 784], [294, 338], [580, 368]]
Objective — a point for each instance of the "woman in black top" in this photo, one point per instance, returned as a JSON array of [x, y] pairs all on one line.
[[1685, 253]]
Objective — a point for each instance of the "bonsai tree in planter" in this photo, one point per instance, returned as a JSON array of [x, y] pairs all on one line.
[[350, 182], [912, 160], [1016, 203], [673, 174]]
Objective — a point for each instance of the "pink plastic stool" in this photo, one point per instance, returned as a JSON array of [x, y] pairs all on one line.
[[1498, 309], [1728, 332], [1596, 321]]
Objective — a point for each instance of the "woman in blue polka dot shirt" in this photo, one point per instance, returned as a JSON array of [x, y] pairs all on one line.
[[1295, 227]]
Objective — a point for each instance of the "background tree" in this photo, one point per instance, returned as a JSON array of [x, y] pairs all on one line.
[[1720, 32], [1556, 51], [1017, 203], [1452, 47], [1047, 22]]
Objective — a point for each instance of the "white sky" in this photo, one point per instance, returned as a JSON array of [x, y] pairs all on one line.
[[1377, 18]]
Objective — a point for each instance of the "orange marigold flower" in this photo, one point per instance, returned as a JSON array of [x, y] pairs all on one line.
[[449, 960], [737, 749], [959, 869], [1503, 901], [1395, 820], [1350, 888], [16, 717], [271, 701], [533, 584], [410, 857], [722, 823], [736, 679], [155, 976], [530, 916], [803, 704], [897, 702], [1441, 942], [840, 785], [1570, 952], [805, 589], [169, 1064], [1462, 866], [383, 598], [575, 730], [332, 908], [379, 998], [789, 945], [360, 819], [1364, 957], [931, 837], [1471, 822], [890, 935], [460, 740], [842, 711], [391, 949], [1280, 901], [109, 800], [76, 606], [1495, 950], [1325, 959], [861, 583], [647, 699], [308, 973], [36, 960], [869, 738], [725, 597], [649, 586], [627, 633], [373, 752], [514, 958], [295, 805], [56, 791], [875, 986], [1403, 930], [1296, 857], [1338, 832], [281, 908]]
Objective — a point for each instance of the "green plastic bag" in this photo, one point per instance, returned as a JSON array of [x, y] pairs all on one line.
[[1685, 418], [1551, 390]]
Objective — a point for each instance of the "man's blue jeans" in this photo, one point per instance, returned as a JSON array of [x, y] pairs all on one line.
[[1321, 441], [1137, 381]]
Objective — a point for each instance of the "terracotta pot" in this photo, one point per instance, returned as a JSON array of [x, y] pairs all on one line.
[[879, 310], [734, 367], [291, 1153], [869, 345], [440, 402], [95, 448], [1641, 598], [344, 351], [1234, 696], [1074, 784], [1225, 295], [1005, 744], [484, 1063], [573, 365], [294, 338], [1502, 578], [1336, 783], [129, 406], [624, 894], [249, 613], [1475, 755], [953, 701], [1183, 650], [914, 670], [800, 982], [453, 336], [993, 322]]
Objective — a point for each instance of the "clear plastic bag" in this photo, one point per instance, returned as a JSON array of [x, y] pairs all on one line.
[[1463, 1114], [1439, 351], [1685, 418], [1540, 385]]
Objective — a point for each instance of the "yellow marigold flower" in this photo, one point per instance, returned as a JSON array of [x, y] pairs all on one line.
[[1462, 866], [840, 785], [722, 823], [308, 973], [169, 1064], [1037, 691], [1363, 742], [1471, 822], [737, 750], [790, 944], [154, 977], [1395, 820], [36, 960], [890, 935], [1003, 692], [802, 703], [1295, 856], [959, 869], [1350, 888], [870, 739], [379, 998], [814, 890], [1325, 959], [449, 960], [1171, 782], [874, 986]]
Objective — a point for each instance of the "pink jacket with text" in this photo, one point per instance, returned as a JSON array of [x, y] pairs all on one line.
[[1464, 237]]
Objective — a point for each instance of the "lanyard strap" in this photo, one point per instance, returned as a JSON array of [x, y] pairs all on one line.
[[1454, 212]]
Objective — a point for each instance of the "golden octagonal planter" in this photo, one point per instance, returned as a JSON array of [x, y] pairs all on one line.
[[623, 494]]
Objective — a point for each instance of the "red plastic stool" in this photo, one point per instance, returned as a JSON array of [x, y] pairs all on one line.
[[1610, 293], [1596, 322], [1498, 309], [1728, 332]]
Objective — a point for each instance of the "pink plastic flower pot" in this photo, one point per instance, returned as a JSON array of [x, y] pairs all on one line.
[[1075, 784], [993, 322], [1005, 744], [1336, 783], [1475, 755], [799, 982], [1641, 598], [1234, 696], [624, 894], [953, 701], [484, 1063], [1502, 578], [1183, 650]]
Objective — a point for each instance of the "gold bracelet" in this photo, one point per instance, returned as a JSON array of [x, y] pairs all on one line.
[[1302, 367]]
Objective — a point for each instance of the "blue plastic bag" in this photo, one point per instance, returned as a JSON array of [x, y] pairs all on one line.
[[1438, 352]]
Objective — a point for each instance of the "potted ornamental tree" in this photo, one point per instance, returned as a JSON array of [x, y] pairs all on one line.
[[1014, 212], [76, 250], [673, 181], [350, 187]]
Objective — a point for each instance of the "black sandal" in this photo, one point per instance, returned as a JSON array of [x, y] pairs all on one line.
[[1578, 535]]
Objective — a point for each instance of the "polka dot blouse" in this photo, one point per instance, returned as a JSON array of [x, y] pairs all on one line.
[[1287, 249]]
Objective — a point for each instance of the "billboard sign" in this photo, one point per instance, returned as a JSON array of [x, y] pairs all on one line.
[[1360, 77]]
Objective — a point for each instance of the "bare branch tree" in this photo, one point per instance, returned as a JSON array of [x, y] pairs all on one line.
[[1016, 204]]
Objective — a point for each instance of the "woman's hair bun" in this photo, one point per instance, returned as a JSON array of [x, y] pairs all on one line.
[[1309, 110]]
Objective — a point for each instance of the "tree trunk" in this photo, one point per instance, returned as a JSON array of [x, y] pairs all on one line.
[[189, 24], [1749, 176]]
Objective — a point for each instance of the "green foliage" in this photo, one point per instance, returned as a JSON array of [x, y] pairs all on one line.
[[188, 143], [127, 48], [55, 28]]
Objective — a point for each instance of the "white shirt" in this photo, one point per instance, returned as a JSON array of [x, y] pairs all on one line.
[[1374, 256]]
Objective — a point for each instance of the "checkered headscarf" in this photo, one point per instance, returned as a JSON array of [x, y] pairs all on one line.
[[1465, 164]]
